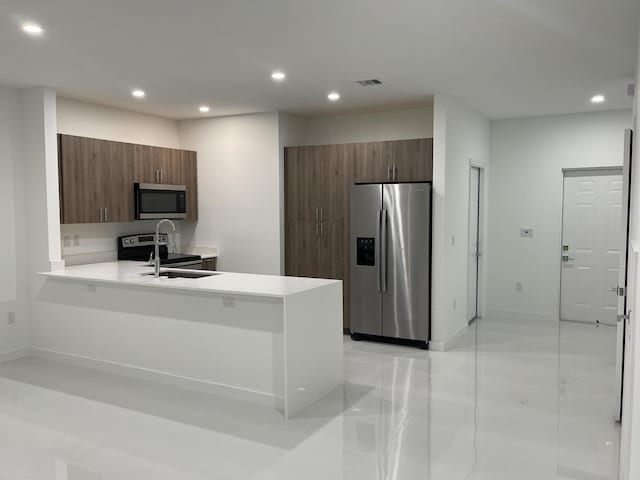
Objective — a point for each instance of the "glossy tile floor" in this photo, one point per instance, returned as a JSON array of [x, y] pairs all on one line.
[[516, 400]]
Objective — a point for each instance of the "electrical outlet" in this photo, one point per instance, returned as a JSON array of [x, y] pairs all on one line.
[[11, 318], [518, 286], [91, 288], [229, 302], [526, 232]]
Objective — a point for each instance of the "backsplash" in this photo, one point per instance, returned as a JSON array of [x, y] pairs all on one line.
[[96, 242]]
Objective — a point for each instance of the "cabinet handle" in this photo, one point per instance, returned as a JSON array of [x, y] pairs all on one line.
[[388, 173], [321, 230], [395, 173], [316, 214], [157, 177], [106, 214], [161, 176], [316, 229], [100, 215], [321, 214]]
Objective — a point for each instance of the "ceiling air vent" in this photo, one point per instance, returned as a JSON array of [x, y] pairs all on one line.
[[372, 82]]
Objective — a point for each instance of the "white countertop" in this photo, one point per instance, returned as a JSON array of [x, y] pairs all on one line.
[[132, 273]]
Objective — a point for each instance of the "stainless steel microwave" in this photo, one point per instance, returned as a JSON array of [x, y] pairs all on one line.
[[153, 200]]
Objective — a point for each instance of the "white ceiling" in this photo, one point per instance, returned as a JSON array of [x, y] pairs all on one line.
[[506, 58]]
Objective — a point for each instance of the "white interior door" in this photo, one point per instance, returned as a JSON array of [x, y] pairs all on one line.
[[623, 308], [473, 242], [591, 238]]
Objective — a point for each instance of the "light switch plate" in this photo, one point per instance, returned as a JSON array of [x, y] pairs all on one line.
[[526, 232]]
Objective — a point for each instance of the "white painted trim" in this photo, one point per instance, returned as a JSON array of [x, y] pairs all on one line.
[[219, 389], [14, 354], [443, 346], [519, 315]]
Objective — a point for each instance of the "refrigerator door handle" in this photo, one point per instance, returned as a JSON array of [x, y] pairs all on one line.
[[383, 250], [379, 259]]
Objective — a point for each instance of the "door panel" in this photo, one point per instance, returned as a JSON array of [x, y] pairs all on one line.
[[591, 235], [472, 264], [374, 162], [406, 299], [622, 309], [80, 186], [412, 160], [190, 173], [116, 172], [366, 299]]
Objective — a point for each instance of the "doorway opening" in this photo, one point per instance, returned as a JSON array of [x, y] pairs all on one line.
[[474, 251]]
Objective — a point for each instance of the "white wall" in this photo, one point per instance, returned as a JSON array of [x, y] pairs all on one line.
[[461, 138], [108, 123], [90, 243], [13, 278], [527, 158], [29, 206], [238, 188], [369, 126]]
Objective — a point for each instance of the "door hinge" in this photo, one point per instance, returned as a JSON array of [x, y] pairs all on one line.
[[621, 292]]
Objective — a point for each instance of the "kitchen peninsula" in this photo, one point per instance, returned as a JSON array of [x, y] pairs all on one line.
[[259, 338]]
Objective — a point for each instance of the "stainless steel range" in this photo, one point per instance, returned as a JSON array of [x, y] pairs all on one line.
[[140, 247]]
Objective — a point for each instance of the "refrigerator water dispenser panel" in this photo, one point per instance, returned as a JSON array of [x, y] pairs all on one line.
[[366, 251]]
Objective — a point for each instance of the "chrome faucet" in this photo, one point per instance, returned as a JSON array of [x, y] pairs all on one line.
[[156, 258]]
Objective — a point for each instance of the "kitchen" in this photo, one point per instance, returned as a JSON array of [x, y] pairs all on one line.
[[244, 373]]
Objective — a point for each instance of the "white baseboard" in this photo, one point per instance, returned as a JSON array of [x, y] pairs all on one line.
[[14, 354], [444, 345], [165, 378], [518, 315]]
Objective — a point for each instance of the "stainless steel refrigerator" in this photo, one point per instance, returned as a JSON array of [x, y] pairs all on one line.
[[391, 261]]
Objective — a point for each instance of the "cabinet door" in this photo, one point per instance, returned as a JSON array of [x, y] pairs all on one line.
[[301, 176], [329, 189], [373, 163], [146, 164], [171, 165], [80, 185], [302, 249], [116, 184], [412, 159], [190, 179]]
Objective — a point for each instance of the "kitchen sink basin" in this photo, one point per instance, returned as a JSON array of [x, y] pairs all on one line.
[[173, 274]]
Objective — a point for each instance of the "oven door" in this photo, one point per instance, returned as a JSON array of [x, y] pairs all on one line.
[[160, 201]]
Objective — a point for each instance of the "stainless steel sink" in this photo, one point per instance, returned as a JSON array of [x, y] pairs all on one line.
[[175, 274]]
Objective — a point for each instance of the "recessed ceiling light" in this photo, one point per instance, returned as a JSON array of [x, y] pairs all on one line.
[[204, 109], [278, 76], [597, 99], [333, 96], [138, 93], [32, 28]]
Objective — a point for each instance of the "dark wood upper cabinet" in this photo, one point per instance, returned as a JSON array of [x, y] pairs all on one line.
[[189, 168], [97, 177], [412, 160], [395, 161], [93, 190], [373, 163]]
